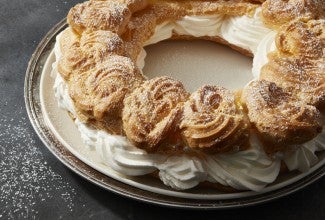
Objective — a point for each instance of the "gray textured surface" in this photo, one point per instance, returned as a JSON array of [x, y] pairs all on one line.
[[34, 184]]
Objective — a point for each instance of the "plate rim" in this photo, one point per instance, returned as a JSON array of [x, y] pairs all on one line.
[[33, 107]]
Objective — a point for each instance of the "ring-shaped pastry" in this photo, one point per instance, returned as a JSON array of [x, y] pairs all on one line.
[[98, 62]]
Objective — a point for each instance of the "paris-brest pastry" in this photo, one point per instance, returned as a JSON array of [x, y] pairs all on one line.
[[235, 139]]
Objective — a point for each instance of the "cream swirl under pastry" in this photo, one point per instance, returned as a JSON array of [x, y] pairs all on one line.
[[162, 32], [244, 31], [199, 26], [266, 46], [303, 157], [251, 169]]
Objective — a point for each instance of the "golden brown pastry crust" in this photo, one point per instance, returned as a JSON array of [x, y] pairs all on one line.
[[135, 5], [100, 44], [98, 93], [152, 111], [81, 53], [231, 8], [140, 28], [302, 39], [214, 120], [304, 78], [99, 76], [100, 15], [68, 40], [278, 12], [280, 118], [298, 64], [72, 57]]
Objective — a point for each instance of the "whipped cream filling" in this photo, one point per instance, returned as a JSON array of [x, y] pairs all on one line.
[[162, 32], [245, 32], [251, 169], [141, 59], [266, 46], [242, 31], [199, 26], [303, 157]]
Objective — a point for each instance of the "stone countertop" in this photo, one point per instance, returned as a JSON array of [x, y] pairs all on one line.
[[35, 185]]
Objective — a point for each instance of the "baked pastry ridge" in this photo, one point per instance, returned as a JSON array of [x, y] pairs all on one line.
[[152, 111], [214, 120], [280, 118], [276, 13]]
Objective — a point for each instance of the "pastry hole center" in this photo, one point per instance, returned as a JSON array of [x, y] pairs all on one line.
[[197, 63]]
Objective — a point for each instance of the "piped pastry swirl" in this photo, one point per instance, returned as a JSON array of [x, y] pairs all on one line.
[[278, 12], [304, 78], [152, 112], [103, 15], [99, 93], [214, 120], [302, 39], [279, 117]]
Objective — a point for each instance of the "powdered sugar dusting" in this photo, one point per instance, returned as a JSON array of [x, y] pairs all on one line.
[[26, 180]]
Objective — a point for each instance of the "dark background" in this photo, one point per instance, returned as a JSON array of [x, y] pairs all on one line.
[[35, 185]]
